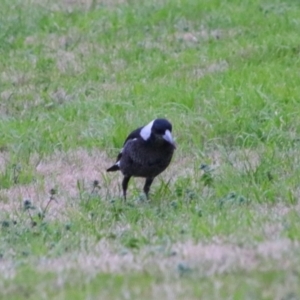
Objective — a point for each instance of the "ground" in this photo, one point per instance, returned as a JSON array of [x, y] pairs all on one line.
[[223, 220]]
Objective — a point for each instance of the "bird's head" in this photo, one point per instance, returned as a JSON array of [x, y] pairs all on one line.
[[160, 129]]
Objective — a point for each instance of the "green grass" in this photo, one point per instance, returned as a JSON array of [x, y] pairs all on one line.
[[77, 76]]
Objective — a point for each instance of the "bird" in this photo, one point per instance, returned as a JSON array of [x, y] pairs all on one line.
[[146, 152]]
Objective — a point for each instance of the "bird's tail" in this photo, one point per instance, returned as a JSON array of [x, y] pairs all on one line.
[[113, 168]]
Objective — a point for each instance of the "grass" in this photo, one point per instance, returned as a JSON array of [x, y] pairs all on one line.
[[223, 220]]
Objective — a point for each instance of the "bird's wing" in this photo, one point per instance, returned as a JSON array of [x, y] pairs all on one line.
[[133, 135]]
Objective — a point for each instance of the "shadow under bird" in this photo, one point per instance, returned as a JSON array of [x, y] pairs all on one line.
[[146, 153]]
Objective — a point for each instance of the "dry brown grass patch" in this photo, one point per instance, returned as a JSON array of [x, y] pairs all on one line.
[[216, 67], [61, 171], [65, 171], [208, 259]]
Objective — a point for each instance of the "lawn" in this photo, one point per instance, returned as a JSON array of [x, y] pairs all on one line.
[[77, 76]]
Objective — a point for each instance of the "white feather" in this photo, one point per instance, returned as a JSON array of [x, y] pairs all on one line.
[[146, 131]]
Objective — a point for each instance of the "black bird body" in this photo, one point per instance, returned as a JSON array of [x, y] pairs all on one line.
[[145, 159], [146, 153]]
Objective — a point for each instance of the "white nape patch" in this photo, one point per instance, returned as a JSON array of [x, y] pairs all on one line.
[[117, 163], [121, 150], [146, 131]]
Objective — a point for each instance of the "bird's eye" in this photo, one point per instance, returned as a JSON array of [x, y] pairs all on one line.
[[160, 131]]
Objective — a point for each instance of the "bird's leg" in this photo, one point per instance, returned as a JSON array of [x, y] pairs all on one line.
[[147, 185], [124, 185]]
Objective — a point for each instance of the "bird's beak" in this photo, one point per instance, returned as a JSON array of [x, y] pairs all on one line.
[[168, 137]]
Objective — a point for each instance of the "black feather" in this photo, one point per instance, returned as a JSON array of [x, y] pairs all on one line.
[[113, 168], [135, 134]]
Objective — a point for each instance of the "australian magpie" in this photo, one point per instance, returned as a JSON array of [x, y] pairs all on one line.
[[146, 152]]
